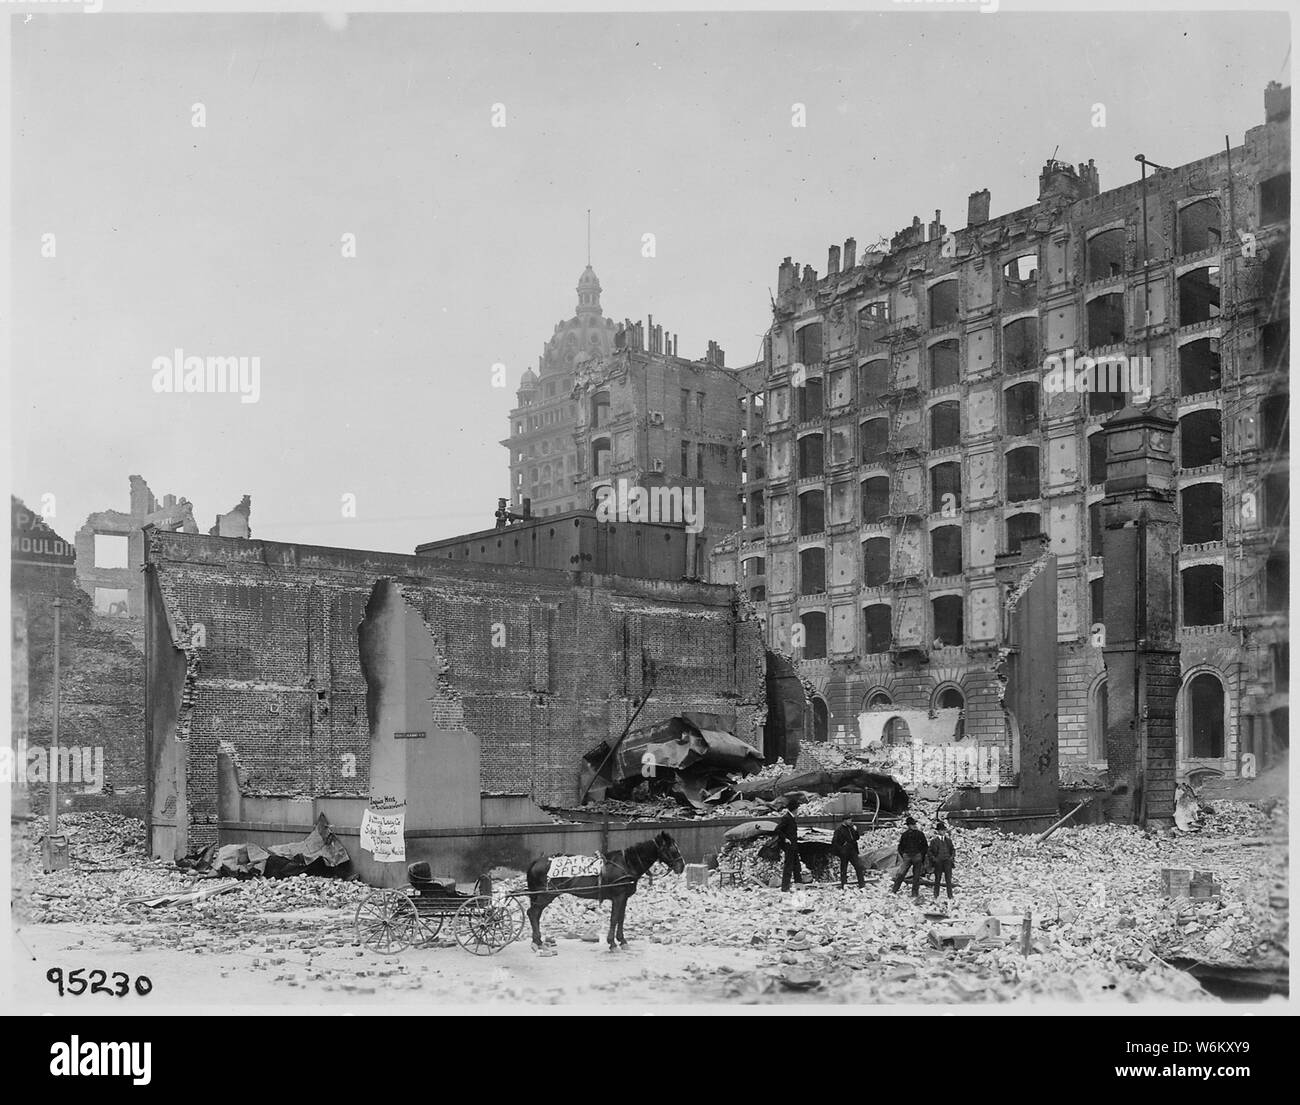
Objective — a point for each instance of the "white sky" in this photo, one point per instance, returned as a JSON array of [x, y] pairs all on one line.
[[376, 371]]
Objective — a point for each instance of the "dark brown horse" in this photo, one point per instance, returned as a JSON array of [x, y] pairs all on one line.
[[615, 883]]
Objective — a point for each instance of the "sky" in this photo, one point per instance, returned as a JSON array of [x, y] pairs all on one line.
[[376, 370]]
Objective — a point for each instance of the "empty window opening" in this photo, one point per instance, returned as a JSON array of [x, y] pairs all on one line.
[[945, 426], [880, 700], [814, 634], [112, 550], [1199, 226], [599, 410], [1203, 595], [875, 440], [812, 513], [1275, 345], [950, 698], [945, 551], [1199, 366], [111, 601], [1200, 438], [1021, 407], [754, 566], [1275, 413], [1203, 716], [600, 458], [875, 500], [1198, 296], [1022, 527], [1096, 530], [821, 717], [1277, 499], [810, 399], [943, 304], [1202, 513], [1022, 474], [812, 571], [1277, 587], [758, 593], [1106, 255], [1098, 721], [1020, 283], [810, 455], [873, 380], [1097, 459], [872, 322], [944, 368], [1105, 320], [1275, 281], [758, 515], [1097, 601], [948, 628], [1275, 199], [1105, 402], [1020, 345], [945, 487], [875, 561], [809, 344], [879, 636]]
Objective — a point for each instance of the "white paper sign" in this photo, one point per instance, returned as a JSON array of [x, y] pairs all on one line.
[[384, 834]]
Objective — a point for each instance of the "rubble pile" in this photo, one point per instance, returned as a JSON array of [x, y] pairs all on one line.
[[108, 869]]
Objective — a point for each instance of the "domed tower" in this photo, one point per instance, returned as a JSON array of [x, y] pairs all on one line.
[[589, 293]]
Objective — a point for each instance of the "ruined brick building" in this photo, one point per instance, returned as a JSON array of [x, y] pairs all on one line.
[[611, 403], [902, 437], [252, 645]]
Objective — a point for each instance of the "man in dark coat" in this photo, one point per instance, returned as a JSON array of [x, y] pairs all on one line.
[[942, 854], [845, 845], [911, 850], [787, 833]]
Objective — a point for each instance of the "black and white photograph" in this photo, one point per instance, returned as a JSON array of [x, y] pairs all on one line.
[[737, 511]]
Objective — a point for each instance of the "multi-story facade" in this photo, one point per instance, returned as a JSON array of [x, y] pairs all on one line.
[[656, 425], [909, 438], [543, 456]]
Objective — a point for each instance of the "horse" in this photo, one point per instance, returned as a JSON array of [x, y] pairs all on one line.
[[615, 883]]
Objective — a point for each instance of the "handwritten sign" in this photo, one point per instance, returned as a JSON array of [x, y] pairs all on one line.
[[383, 829]]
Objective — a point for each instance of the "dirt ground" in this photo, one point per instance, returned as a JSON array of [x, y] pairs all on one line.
[[582, 972]]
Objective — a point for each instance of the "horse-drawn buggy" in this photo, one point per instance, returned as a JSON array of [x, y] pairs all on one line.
[[486, 920], [483, 922]]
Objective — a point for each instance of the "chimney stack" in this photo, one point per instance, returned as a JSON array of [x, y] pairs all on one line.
[[850, 253], [833, 261], [1277, 103], [977, 207]]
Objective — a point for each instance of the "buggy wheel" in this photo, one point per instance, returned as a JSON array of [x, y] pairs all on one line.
[[386, 922], [430, 926], [484, 926]]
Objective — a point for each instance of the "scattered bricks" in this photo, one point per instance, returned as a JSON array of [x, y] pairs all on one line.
[[697, 875]]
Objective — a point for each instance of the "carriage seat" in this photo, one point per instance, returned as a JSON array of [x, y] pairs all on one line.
[[420, 876]]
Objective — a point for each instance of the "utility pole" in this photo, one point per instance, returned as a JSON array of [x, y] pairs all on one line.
[[54, 857]]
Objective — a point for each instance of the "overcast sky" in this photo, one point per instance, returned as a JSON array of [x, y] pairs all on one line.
[[376, 371]]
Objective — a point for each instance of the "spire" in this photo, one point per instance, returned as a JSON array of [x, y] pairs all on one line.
[[588, 237]]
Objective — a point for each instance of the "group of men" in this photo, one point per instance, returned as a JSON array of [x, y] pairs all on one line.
[[913, 850]]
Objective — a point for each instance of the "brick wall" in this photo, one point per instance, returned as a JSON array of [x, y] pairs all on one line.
[[541, 665]]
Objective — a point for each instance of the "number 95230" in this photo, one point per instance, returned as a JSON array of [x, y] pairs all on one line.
[[79, 981]]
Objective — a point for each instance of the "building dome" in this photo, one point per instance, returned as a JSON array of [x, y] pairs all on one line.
[[528, 381]]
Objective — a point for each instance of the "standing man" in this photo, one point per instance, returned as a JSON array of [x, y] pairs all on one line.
[[845, 845], [942, 854], [911, 850], [787, 832]]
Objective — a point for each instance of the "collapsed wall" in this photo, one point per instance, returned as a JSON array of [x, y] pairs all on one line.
[[255, 643]]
